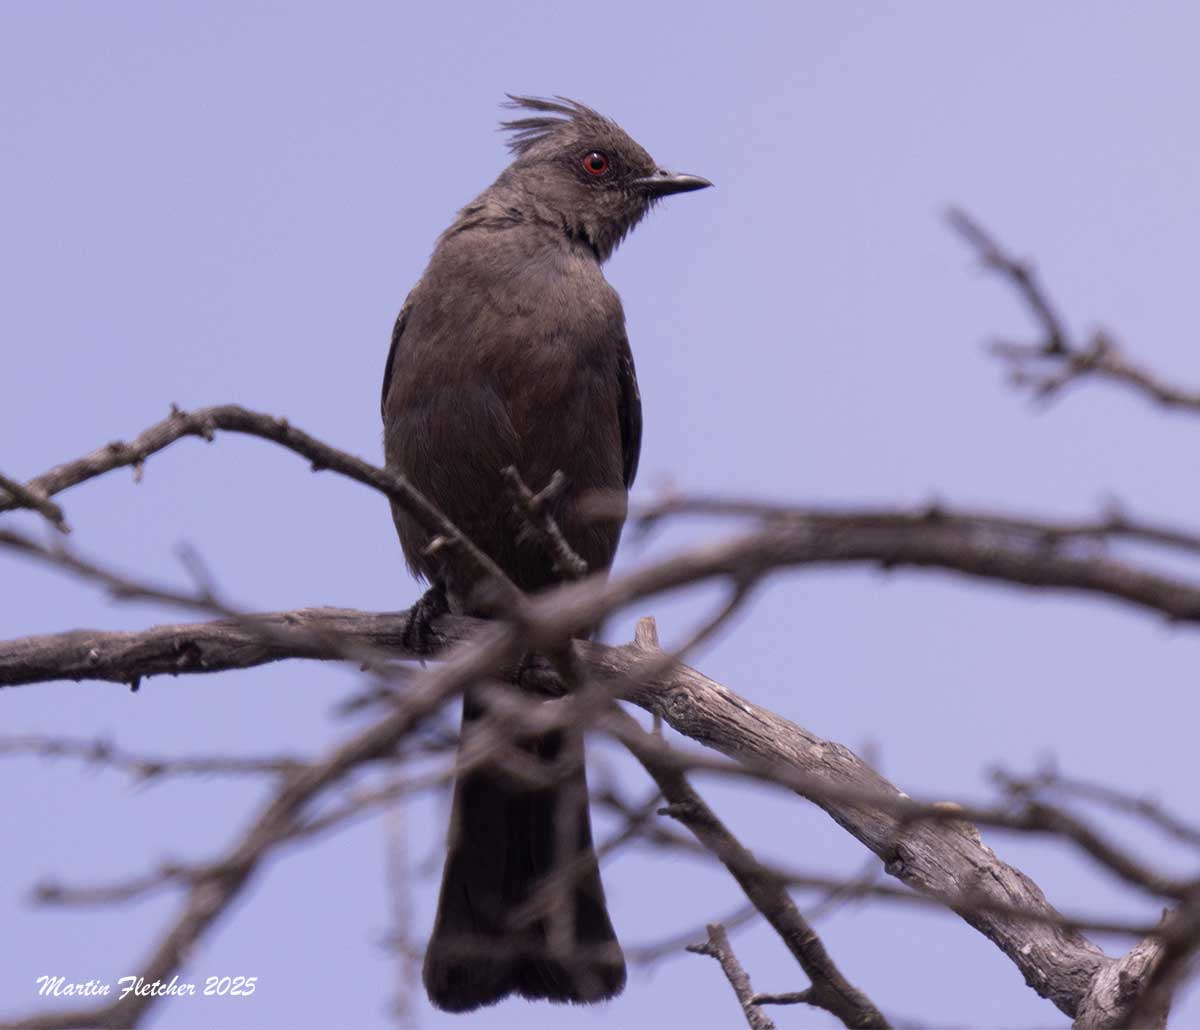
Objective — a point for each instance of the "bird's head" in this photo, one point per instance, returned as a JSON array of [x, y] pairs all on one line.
[[585, 170]]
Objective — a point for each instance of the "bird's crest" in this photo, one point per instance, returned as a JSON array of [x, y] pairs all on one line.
[[555, 114]]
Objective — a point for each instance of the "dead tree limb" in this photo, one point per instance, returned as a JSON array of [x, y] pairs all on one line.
[[1058, 360], [718, 947]]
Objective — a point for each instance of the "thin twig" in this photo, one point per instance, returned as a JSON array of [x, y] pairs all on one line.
[[101, 752], [1057, 360], [717, 946], [205, 422], [536, 510]]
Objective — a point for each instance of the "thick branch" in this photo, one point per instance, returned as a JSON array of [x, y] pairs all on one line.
[[830, 989], [118, 657], [1117, 988], [945, 857], [1015, 554], [942, 858], [281, 817]]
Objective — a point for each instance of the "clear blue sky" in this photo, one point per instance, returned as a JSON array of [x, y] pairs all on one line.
[[228, 202]]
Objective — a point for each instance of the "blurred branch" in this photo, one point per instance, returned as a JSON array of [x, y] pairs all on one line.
[[830, 991], [1058, 360], [399, 886], [1049, 779], [962, 902], [936, 858], [216, 885], [934, 850], [20, 496], [933, 857], [1020, 274], [103, 753], [1113, 524], [1015, 551]]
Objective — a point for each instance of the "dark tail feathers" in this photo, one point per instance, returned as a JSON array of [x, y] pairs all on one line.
[[502, 841]]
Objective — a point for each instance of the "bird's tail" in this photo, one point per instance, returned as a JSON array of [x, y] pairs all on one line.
[[504, 838]]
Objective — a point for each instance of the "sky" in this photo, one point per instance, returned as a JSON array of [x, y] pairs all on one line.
[[215, 203]]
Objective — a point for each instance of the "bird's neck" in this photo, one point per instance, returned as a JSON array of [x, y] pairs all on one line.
[[508, 201]]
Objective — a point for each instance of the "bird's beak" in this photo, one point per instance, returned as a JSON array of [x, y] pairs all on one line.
[[662, 183]]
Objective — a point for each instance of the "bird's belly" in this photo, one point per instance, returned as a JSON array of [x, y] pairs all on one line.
[[548, 410]]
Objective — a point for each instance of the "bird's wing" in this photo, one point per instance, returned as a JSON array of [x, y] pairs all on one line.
[[629, 410], [397, 332]]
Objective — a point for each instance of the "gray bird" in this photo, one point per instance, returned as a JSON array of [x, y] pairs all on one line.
[[511, 351]]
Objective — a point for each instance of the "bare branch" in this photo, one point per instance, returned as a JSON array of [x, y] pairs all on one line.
[[1164, 969], [1117, 988], [962, 902], [831, 990], [1114, 523], [1015, 554], [1058, 361], [935, 850], [1050, 779], [536, 510], [145, 767], [931, 857], [205, 422], [935, 855], [31, 497], [408, 967], [280, 818], [934, 858], [206, 647], [717, 946], [789, 998], [1020, 274]]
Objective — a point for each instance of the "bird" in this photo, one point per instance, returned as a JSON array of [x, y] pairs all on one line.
[[511, 352]]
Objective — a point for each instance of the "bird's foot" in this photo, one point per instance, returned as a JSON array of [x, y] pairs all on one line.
[[539, 674], [419, 636]]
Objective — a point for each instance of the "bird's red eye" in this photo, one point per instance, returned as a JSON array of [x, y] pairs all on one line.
[[595, 163]]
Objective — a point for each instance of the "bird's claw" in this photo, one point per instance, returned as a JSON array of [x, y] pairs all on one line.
[[419, 636]]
